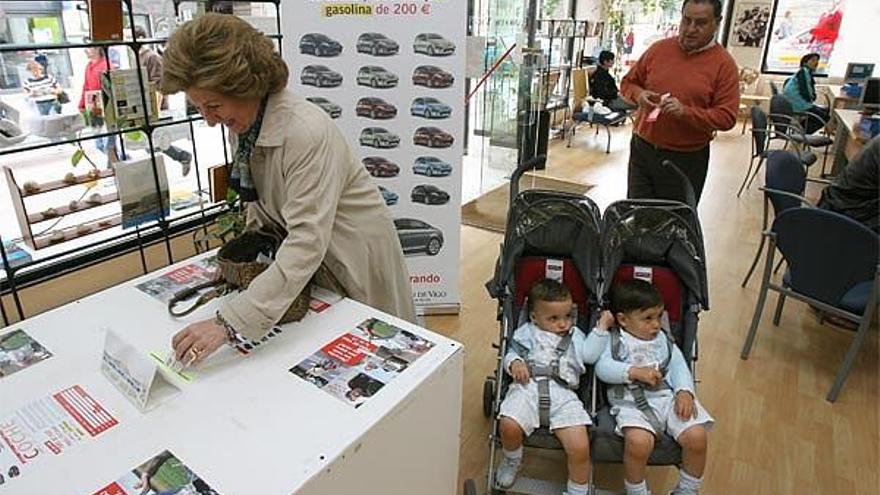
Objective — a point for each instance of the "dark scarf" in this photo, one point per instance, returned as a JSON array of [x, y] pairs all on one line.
[[240, 179]]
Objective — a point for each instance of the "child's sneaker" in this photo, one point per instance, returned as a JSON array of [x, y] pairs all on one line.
[[506, 473]]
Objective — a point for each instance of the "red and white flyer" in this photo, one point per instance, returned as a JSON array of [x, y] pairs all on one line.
[[48, 427]]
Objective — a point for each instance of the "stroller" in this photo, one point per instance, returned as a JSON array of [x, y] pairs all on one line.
[[658, 241], [558, 235], [550, 234]]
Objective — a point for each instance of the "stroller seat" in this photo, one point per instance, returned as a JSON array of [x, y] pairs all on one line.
[[607, 446]]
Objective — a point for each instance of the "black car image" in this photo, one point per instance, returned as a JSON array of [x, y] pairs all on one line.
[[429, 195], [320, 76], [319, 45], [432, 77], [332, 109], [417, 236], [377, 44]]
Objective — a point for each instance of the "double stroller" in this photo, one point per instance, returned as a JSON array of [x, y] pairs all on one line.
[[553, 234]]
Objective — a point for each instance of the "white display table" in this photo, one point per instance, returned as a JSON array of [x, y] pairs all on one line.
[[245, 425]]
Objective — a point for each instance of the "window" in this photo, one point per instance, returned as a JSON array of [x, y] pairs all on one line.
[[29, 28], [800, 27]]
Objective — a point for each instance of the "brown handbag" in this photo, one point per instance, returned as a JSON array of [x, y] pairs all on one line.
[[239, 265]]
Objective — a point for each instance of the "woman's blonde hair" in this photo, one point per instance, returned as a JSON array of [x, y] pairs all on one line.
[[222, 53]]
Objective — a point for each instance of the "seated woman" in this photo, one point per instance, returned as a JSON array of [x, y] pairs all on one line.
[[854, 191], [604, 88], [800, 90]]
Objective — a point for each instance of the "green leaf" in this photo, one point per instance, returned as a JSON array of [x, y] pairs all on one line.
[[76, 157], [231, 196]]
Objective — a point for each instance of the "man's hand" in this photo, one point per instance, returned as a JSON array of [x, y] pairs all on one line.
[[520, 372], [648, 375], [648, 100], [672, 105]]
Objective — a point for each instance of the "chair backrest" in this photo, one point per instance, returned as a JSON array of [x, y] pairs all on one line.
[[580, 87], [785, 172], [759, 130], [779, 104], [827, 253], [774, 89]]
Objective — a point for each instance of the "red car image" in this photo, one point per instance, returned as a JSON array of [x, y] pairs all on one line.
[[432, 77], [380, 167], [375, 108], [432, 137]]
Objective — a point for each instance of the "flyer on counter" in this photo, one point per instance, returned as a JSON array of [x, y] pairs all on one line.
[[166, 285], [18, 351], [48, 427], [356, 365], [161, 474]]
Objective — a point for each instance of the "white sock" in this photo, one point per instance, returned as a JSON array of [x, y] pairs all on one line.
[[687, 484], [640, 488], [577, 488], [513, 455]]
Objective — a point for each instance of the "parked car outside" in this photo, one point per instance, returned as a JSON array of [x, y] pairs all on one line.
[[377, 44], [319, 45], [429, 195], [430, 108], [376, 77], [332, 109], [375, 108], [433, 44], [389, 196], [431, 166], [379, 137], [320, 76], [380, 167], [417, 236], [432, 137], [432, 77]]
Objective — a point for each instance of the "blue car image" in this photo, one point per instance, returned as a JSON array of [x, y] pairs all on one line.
[[431, 166], [390, 197], [430, 108]]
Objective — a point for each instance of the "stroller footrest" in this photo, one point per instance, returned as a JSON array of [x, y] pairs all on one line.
[[533, 486]]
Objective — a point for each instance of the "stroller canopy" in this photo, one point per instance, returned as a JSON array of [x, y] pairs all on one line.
[[655, 232], [551, 224]]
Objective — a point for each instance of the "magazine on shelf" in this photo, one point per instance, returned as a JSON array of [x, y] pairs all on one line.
[[123, 101], [166, 285], [356, 365], [136, 186], [18, 351], [163, 473]]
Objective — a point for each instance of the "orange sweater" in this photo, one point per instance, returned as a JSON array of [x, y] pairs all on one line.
[[706, 83]]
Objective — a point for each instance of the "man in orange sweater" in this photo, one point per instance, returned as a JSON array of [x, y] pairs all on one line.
[[700, 82]]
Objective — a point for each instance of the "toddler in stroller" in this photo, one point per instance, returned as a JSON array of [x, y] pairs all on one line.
[[655, 393], [546, 357]]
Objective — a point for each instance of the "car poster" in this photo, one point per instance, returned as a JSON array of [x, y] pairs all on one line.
[[391, 75]]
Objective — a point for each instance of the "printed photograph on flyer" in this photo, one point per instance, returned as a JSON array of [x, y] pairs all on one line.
[[162, 474], [18, 351]]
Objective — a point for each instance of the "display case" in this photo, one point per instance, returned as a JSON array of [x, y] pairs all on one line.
[[94, 218]]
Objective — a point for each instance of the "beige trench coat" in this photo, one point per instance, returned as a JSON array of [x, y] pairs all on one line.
[[315, 194]]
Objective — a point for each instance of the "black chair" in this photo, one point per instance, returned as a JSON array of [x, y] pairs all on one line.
[[761, 136], [774, 89], [784, 120], [832, 265], [784, 185]]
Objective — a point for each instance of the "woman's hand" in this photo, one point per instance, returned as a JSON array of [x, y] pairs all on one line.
[[197, 341]]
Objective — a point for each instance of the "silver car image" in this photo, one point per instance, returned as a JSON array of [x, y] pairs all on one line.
[[433, 44], [418, 237], [376, 77]]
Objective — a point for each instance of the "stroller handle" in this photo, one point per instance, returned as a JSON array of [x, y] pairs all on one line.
[[527, 165], [690, 196]]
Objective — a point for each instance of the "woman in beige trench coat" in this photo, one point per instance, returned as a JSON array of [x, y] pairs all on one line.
[[300, 178]]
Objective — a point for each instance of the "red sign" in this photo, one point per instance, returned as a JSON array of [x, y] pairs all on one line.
[[350, 349]]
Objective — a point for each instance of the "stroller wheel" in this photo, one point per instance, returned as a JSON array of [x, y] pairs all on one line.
[[470, 487], [488, 397]]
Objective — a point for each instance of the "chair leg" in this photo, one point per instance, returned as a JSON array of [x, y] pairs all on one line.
[[762, 299], [745, 120], [754, 262], [746, 178], [757, 169], [853, 351], [608, 145], [778, 314], [778, 265], [574, 124], [824, 160]]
